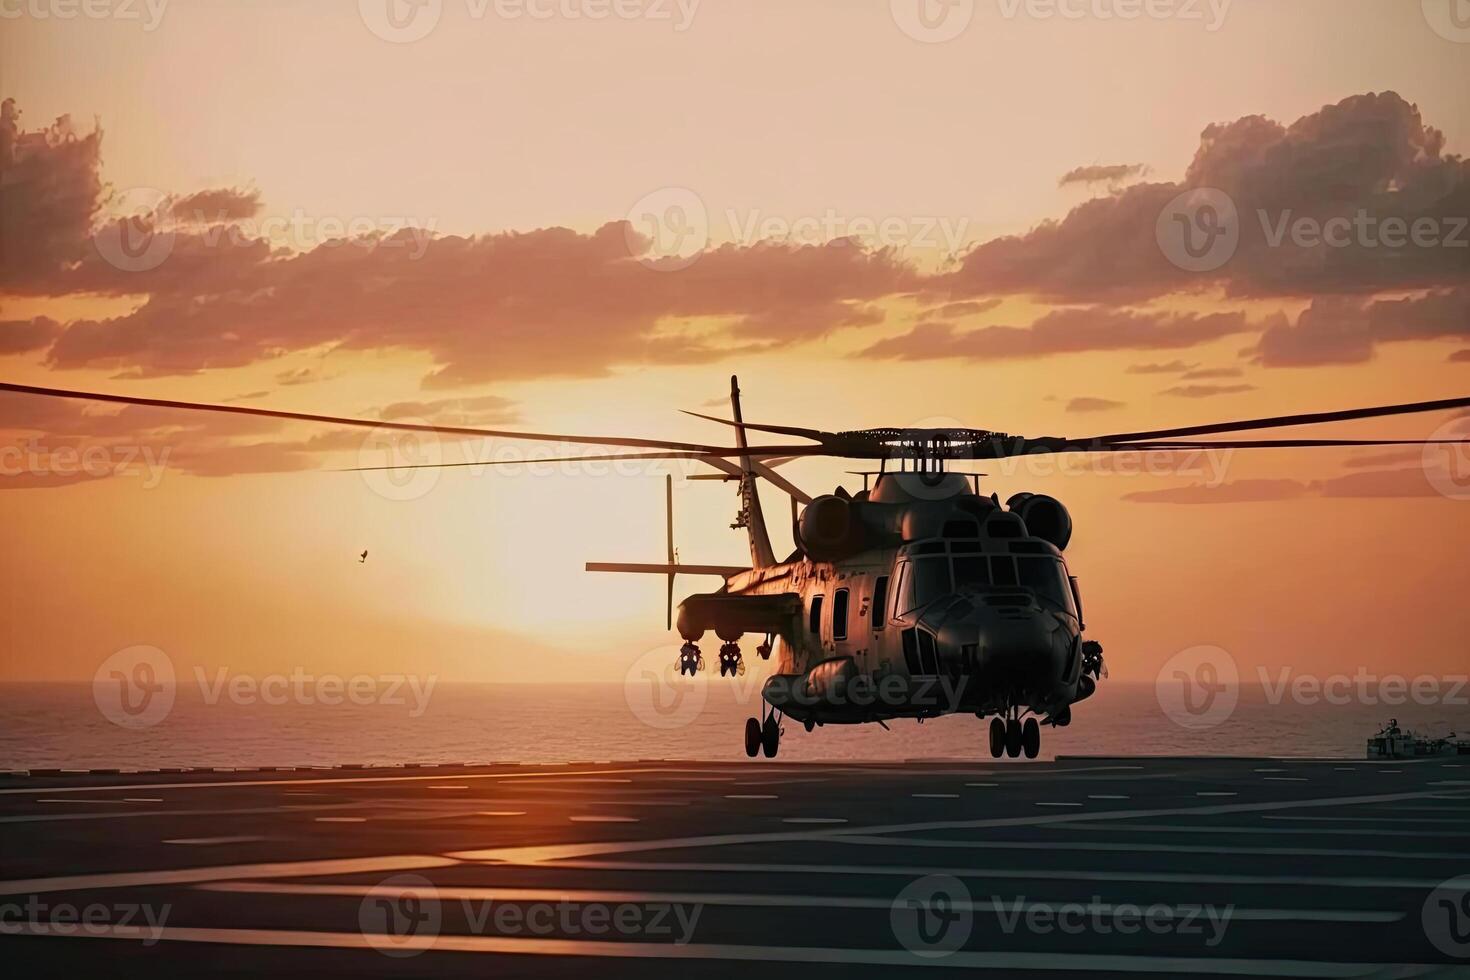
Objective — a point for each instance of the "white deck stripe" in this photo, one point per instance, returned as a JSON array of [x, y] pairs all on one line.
[[556, 852], [443, 893], [1132, 847], [1020, 874], [1053, 961], [177, 876]]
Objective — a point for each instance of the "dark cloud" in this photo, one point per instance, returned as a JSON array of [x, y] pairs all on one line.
[[24, 336], [50, 191], [483, 410], [1460, 357], [1171, 367], [1370, 154], [1206, 391], [1386, 484], [1103, 174], [1342, 330], [954, 311], [1375, 460], [1412, 482], [1061, 332], [1093, 404], [216, 206], [1236, 492], [1210, 374]]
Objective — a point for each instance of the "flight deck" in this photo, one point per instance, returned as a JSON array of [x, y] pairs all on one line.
[[1095, 866]]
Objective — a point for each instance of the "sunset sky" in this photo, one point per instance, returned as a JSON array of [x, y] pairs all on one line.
[[582, 224]]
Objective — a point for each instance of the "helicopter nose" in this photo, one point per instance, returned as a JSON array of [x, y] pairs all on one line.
[[1018, 647]]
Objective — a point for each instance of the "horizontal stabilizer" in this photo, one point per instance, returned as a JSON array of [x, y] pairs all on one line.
[[724, 571]]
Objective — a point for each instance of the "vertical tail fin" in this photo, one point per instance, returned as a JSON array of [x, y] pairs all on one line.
[[673, 555], [761, 555]]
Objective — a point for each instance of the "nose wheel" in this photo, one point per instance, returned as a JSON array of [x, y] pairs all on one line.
[[762, 737], [1011, 737]]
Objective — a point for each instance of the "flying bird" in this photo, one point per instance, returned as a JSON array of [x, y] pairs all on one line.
[[362, 558]]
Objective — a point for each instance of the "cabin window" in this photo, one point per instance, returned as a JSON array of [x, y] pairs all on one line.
[[972, 570], [815, 624], [839, 614], [880, 603], [899, 602], [1003, 570], [1045, 577]]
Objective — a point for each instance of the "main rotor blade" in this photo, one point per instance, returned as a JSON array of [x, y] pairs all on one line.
[[1287, 443], [361, 423], [1282, 421], [596, 458], [780, 430]]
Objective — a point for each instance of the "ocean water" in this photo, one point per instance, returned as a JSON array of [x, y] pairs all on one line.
[[45, 725]]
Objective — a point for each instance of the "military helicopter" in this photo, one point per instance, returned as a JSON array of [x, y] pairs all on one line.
[[916, 597]]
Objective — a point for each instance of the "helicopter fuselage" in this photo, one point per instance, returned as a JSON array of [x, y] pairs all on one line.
[[956, 608]]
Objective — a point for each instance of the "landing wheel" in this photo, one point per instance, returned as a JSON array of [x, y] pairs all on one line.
[[752, 737], [1031, 738], [1013, 738], [809, 724], [770, 736], [997, 738]]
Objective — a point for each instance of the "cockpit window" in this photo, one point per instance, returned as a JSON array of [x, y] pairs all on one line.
[[930, 578], [1002, 570], [1046, 577], [972, 570]]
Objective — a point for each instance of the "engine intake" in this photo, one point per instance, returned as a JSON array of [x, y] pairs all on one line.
[[831, 529], [1045, 517]]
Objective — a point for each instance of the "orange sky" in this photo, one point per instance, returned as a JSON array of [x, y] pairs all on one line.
[[763, 111]]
